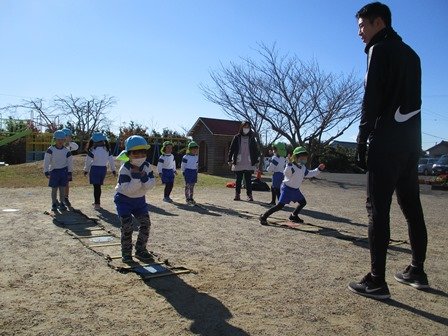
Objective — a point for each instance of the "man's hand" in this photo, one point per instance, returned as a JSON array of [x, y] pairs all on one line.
[[360, 158]]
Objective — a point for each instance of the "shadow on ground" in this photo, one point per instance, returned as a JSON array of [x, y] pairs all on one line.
[[208, 315], [430, 316]]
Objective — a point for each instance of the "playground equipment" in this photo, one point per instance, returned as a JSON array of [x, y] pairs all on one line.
[[14, 137]]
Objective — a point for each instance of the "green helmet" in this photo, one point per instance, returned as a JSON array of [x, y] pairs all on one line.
[[281, 148], [166, 143], [300, 151], [191, 144]]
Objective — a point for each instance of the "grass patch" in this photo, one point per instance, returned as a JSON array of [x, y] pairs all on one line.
[[31, 174]]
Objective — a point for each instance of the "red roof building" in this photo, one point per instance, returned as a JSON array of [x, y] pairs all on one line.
[[214, 137]]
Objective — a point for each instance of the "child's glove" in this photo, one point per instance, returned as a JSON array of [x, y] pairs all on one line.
[[85, 173], [47, 174], [114, 173], [70, 175]]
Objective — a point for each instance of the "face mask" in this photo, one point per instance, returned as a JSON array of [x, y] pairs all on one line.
[[138, 162], [303, 161], [246, 130]]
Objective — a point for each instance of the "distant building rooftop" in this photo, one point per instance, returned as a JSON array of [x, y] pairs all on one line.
[[217, 126], [344, 144]]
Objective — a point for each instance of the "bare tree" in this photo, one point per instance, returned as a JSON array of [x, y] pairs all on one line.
[[42, 114], [298, 100], [85, 116]]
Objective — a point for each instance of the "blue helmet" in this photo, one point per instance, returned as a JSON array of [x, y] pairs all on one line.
[[135, 142], [97, 137], [67, 131], [59, 135]]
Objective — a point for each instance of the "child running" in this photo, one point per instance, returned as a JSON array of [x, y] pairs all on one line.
[[134, 180], [97, 159], [277, 166], [294, 172], [189, 168], [167, 169], [58, 168], [72, 147]]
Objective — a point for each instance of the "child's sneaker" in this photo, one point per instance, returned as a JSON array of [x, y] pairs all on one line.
[[263, 220], [62, 206], [250, 198], [191, 202], [127, 258], [237, 197], [144, 254], [97, 206], [411, 276], [370, 287], [295, 219], [167, 199], [67, 202], [54, 207]]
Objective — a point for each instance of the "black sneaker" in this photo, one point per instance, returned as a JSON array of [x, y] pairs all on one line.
[[411, 276], [62, 206], [143, 254], [263, 220], [127, 258], [369, 287], [295, 219], [67, 202], [54, 207]]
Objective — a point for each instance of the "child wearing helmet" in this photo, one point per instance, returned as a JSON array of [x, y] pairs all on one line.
[[97, 159], [135, 178], [294, 172], [72, 147], [277, 166], [189, 168], [166, 168], [58, 168]]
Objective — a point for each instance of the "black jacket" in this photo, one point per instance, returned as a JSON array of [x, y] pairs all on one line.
[[235, 148], [391, 117]]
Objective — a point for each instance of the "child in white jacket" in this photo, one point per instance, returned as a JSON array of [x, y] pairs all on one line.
[[189, 168], [166, 168], [97, 159], [58, 168], [294, 172], [134, 180], [276, 166]]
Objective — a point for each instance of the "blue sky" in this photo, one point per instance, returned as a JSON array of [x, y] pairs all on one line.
[[152, 55]]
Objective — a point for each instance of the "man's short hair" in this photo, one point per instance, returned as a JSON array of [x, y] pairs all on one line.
[[375, 10]]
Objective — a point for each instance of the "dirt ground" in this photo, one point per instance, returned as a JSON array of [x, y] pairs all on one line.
[[249, 280]]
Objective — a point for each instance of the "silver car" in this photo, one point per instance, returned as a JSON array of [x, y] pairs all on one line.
[[425, 165]]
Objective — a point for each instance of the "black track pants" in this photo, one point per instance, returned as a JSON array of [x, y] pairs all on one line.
[[389, 172]]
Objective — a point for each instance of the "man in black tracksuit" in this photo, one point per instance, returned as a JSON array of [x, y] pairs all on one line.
[[391, 123]]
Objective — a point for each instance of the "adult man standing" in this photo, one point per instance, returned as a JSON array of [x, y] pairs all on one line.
[[391, 123]]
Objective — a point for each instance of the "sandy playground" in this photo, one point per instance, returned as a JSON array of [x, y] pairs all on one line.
[[248, 279]]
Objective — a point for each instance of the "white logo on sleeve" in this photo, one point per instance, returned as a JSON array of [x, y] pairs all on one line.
[[399, 117]]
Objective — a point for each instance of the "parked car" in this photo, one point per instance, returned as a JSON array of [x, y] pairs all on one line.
[[441, 166], [425, 165]]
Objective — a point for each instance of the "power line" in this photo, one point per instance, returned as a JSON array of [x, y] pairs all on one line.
[[434, 136]]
